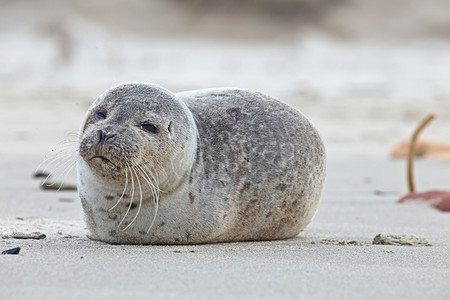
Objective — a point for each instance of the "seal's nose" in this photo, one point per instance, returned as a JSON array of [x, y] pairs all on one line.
[[103, 137]]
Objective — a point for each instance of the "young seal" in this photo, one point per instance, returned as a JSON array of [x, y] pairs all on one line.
[[216, 165]]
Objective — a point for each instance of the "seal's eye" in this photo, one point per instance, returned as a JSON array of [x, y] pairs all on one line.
[[148, 127], [100, 114]]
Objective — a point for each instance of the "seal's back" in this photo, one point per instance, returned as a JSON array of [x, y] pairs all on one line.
[[264, 159]]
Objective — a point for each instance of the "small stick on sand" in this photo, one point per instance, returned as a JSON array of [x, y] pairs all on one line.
[[412, 147]]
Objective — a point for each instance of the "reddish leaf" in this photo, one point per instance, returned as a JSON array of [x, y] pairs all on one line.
[[437, 199]]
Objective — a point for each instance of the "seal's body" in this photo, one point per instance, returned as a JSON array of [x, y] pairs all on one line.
[[204, 166]]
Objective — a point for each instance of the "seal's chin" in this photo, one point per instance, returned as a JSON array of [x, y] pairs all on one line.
[[101, 160]]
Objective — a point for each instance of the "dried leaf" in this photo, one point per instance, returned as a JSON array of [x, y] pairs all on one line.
[[437, 199]]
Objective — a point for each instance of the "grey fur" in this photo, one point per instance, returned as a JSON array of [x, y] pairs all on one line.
[[231, 164]]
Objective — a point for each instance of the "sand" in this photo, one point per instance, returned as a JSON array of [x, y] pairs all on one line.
[[359, 202]]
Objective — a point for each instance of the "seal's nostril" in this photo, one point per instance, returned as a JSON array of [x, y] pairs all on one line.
[[109, 137], [102, 137]]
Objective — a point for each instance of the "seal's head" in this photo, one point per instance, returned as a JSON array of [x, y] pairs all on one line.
[[137, 126]]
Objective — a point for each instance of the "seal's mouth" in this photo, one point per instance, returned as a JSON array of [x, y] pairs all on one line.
[[103, 160]]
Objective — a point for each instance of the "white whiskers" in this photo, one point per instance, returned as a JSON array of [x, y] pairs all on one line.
[[145, 172], [131, 199], [140, 201], [61, 161], [124, 189], [139, 171]]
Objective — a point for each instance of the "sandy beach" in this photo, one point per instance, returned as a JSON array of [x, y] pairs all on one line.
[[332, 259], [364, 94]]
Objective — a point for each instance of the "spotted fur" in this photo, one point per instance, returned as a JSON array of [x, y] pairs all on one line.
[[222, 165]]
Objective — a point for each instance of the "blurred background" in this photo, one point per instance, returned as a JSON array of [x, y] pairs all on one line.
[[365, 72]]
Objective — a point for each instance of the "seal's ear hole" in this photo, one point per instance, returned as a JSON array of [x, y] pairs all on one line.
[[170, 127]]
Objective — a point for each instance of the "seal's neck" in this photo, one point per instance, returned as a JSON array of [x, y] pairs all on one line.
[[178, 166]]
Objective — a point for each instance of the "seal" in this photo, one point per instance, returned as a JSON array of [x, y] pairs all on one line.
[[204, 166]]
